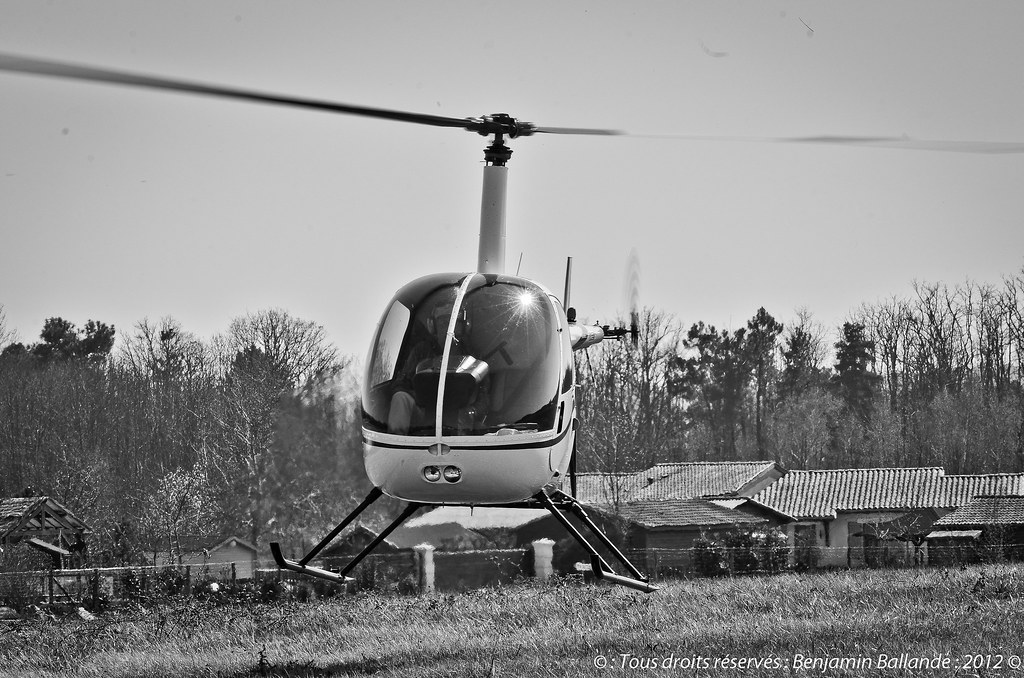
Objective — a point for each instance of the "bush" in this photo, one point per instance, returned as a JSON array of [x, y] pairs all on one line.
[[708, 557], [806, 553], [775, 549], [744, 550]]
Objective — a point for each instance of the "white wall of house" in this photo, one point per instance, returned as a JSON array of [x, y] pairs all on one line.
[[833, 537]]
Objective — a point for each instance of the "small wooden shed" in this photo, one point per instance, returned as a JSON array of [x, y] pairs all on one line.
[[44, 524]]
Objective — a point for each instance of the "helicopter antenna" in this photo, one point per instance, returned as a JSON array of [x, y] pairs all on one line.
[[568, 283]]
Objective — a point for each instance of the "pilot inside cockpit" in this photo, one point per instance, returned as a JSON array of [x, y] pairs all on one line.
[[413, 408]]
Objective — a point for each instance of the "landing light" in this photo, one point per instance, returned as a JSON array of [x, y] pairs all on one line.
[[432, 474], [452, 474]]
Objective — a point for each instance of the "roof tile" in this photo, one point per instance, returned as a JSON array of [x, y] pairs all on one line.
[[986, 510], [682, 480], [809, 495], [684, 513]]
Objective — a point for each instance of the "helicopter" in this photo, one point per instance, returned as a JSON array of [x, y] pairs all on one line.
[[469, 393]]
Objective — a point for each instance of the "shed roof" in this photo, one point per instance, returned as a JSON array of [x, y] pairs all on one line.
[[479, 517], [954, 534], [986, 510], [609, 488], [198, 544], [408, 536], [33, 517], [688, 480], [683, 513], [679, 480], [442, 535]]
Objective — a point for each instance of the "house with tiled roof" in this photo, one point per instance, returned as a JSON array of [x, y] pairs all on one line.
[[661, 508], [660, 512], [838, 512], [660, 533]]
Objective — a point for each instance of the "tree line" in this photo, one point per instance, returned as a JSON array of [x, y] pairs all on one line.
[[159, 437], [166, 438], [931, 379]]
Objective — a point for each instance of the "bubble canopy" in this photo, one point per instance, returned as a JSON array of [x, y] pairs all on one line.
[[466, 355]]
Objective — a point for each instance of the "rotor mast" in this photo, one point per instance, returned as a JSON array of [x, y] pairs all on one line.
[[491, 257]]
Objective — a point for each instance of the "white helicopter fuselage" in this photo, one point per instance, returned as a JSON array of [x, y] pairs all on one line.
[[470, 391]]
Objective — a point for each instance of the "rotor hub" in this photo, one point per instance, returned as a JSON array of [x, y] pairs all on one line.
[[500, 123]]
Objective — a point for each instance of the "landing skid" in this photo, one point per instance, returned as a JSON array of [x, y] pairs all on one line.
[[556, 503], [559, 501], [341, 577]]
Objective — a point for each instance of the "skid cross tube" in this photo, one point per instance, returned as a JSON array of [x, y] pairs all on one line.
[[374, 495], [601, 568], [409, 510], [302, 566]]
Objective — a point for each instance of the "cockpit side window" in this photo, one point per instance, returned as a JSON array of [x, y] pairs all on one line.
[[398, 397], [384, 355]]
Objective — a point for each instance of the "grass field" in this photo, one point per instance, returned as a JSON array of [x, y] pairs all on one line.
[[928, 622]]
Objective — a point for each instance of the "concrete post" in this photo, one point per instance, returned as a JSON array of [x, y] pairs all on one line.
[[425, 567], [543, 554]]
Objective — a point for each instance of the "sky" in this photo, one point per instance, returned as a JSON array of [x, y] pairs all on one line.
[[119, 204]]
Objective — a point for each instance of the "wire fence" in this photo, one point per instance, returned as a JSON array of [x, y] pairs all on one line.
[[99, 588]]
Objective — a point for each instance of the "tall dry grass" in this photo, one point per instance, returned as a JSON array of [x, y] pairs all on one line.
[[562, 629]]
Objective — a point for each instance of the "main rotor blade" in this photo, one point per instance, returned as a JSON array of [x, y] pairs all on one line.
[[498, 124], [903, 143], [16, 64], [577, 130]]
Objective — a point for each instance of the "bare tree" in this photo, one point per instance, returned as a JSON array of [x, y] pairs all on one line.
[[163, 351], [298, 348], [7, 335], [627, 408], [181, 506]]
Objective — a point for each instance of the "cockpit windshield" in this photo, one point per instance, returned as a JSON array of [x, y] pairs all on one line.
[[457, 355]]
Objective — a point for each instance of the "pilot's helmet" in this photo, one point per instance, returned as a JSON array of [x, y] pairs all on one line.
[[439, 317]]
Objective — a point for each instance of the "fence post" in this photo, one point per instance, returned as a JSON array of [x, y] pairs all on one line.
[[188, 581], [232, 572], [425, 567], [543, 555], [96, 588], [49, 582]]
